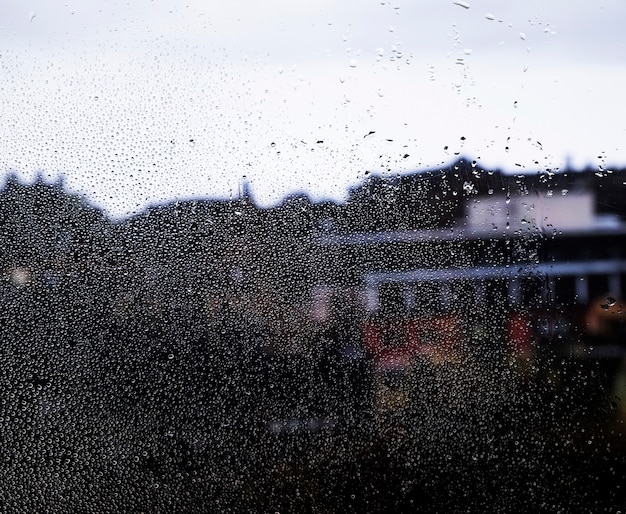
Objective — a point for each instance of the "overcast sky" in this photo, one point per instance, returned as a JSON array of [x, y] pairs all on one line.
[[141, 102]]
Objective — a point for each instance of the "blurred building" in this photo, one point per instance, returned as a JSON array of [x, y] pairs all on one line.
[[517, 267]]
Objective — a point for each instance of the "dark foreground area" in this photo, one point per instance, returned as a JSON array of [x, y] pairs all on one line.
[[128, 420], [214, 356]]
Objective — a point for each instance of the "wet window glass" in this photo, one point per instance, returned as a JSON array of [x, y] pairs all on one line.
[[328, 256]]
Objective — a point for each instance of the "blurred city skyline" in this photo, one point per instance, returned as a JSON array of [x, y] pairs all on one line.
[[141, 104]]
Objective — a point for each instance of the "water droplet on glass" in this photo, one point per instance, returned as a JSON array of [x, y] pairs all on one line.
[[32, 16], [611, 301], [465, 5], [490, 16], [468, 187], [352, 63], [522, 36]]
